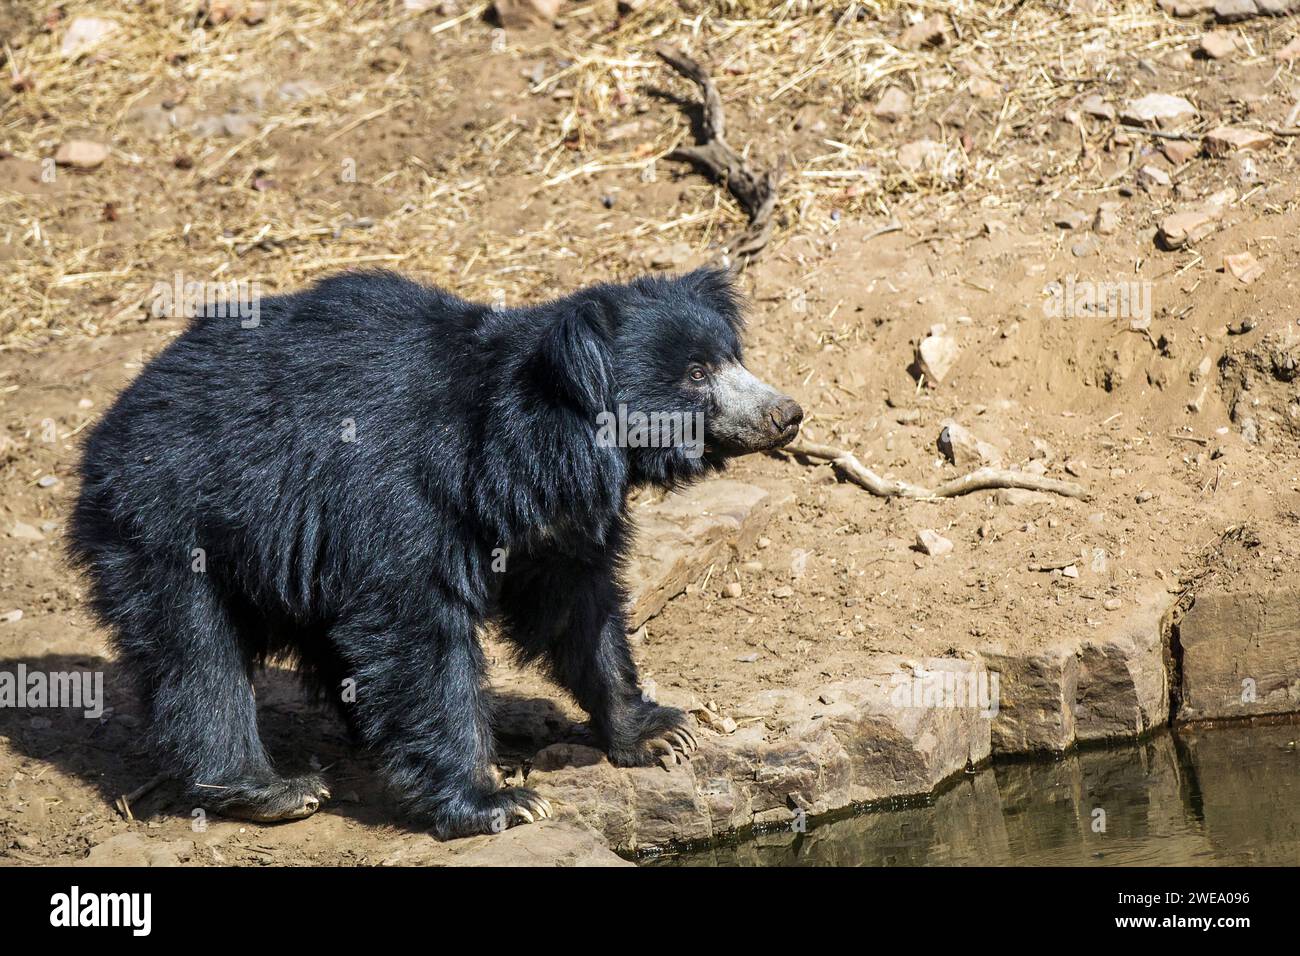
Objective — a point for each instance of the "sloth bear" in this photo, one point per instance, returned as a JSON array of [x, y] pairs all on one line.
[[366, 476]]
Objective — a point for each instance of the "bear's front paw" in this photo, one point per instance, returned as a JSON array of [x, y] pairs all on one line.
[[492, 813], [664, 737]]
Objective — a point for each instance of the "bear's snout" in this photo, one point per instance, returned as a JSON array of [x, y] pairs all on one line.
[[785, 418], [750, 415]]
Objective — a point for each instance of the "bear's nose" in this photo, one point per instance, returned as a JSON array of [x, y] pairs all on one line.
[[786, 415]]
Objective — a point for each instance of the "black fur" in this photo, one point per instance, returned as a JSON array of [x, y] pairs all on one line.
[[372, 559]]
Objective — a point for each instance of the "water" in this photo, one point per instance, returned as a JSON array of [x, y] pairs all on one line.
[[1211, 796]]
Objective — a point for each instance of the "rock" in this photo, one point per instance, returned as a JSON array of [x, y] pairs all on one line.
[[1072, 219], [548, 843], [1202, 370], [1244, 266], [1153, 177], [1036, 696], [1233, 11], [83, 34], [1180, 151], [1229, 139], [25, 532], [47, 481], [136, 849], [1218, 44], [1142, 497], [81, 154], [880, 738], [1159, 110], [732, 589], [1094, 105], [894, 104], [920, 155], [1106, 222], [1290, 52], [1186, 8], [671, 257], [930, 32], [935, 356], [681, 535], [1194, 224], [962, 448], [516, 14], [11, 617], [1241, 651], [1112, 604], [1087, 246], [1076, 467], [1123, 676], [932, 543]]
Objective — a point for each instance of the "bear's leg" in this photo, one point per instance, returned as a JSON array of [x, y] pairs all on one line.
[[570, 615], [421, 706], [178, 638]]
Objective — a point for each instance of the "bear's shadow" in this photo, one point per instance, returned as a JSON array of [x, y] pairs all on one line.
[[108, 752]]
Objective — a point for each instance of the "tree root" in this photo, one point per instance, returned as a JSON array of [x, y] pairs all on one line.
[[846, 464], [755, 192]]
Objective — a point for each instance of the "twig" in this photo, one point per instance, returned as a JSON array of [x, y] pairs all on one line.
[[123, 803], [755, 192], [847, 464]]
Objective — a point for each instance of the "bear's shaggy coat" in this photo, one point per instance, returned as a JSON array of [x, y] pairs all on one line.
[[359, 483]]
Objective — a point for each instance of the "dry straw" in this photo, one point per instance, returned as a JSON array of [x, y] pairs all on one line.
[[81, 254]]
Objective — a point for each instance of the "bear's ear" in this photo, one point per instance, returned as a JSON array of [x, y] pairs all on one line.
[[573, 364], [716, 288]]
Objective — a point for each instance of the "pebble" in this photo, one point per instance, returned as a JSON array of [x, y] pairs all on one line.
[[962, 448], [1243, 266], [1218, 44], [11, 617], [932, 543], [1157, 109], [1076, 467], [1230, 139], [732, 589], [1113, 604], [1190, 225], [1289, 52], [894, 104], [25, 532], [783, 592], [1142, 497], [764, 543], [81, 154], [47, 481], [513, 14], [930, 32], [83, 33], [1153, 177], [935, 357]]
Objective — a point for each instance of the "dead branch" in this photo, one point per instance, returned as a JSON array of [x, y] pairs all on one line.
[[123, 803], [755, 192], [847, 464]]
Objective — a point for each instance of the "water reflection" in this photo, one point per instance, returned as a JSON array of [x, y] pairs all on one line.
[[1210, 796]]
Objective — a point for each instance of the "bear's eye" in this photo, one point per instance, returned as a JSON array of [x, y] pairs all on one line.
[[697, 373]]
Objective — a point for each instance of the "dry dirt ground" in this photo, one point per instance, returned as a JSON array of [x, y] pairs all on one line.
[[515, 165]]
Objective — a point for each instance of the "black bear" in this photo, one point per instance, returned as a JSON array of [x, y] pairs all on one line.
[[368, 473]]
